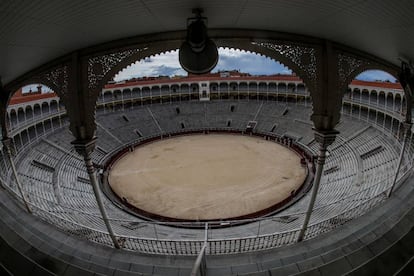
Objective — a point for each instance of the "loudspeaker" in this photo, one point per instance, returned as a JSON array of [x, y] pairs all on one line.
[[198, 54], [198, 62]]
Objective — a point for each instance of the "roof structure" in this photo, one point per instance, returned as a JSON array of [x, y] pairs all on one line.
[[33, 33]]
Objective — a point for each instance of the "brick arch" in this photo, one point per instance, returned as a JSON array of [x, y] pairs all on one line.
[[297, 58], [103, 68], [306, 60], [55, 78], [302, 60], [33, 81], [393, 72]]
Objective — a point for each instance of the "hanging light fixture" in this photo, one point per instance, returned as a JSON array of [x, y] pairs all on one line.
[[198, 54]]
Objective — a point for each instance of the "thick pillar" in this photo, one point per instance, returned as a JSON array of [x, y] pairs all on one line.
[[324, 139], [407, 128], [85, 148], [7, 146], [4, 99], [406, 78]]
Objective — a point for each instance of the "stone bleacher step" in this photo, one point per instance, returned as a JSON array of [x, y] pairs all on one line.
[[372, 152], [61, 148], [101, 150], [70, 257], [109, 133], [356, 134], [346, 262], [331, 170], [42, 165], [83, 180], [307, 123], [345, 256], [390, 260]]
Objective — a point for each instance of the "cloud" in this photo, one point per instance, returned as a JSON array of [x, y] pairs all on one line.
[[163, 64], [249, 63], [229, 59], [225, 52], [163, 70]]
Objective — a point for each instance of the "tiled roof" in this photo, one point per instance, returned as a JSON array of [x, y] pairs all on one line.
[[235, 77], [389, 85], [212, 77], [17, 99]]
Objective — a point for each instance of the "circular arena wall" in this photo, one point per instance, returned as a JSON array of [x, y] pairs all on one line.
[[58, 185]]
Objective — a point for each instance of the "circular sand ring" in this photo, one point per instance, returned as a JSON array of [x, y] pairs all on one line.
[[206, 177]]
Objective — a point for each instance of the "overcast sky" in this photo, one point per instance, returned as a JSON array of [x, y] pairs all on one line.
[[167, 64]]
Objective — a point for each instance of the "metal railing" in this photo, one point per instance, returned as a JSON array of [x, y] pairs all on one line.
[[194, 247]]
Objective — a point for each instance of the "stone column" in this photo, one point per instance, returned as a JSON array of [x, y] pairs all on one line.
[[406, 77], [324, 139], [85, 148], [7, 146], [407, 128]]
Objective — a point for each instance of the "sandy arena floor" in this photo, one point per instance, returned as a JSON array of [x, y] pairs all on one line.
[[207, 176]]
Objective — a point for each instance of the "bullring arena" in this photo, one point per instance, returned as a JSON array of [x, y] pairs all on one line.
[[207, 177], [180, 173]]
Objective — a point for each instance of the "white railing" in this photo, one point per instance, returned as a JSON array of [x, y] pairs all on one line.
[[194, 246]]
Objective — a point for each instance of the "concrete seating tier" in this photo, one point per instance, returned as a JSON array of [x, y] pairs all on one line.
[[64, 194]]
